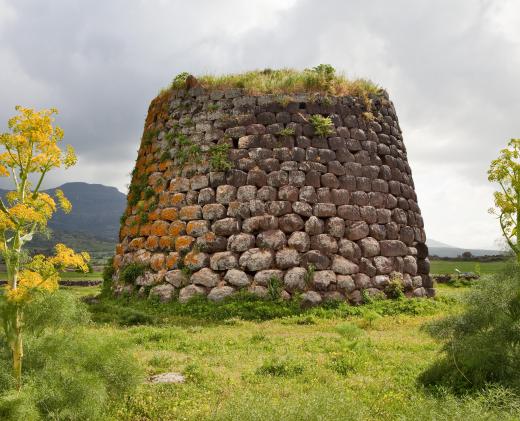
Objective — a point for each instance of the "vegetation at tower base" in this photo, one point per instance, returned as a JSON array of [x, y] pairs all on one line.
[[272, 182], [65, 374]]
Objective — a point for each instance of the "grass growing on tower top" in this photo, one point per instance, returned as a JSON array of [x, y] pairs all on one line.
[[322, 79]]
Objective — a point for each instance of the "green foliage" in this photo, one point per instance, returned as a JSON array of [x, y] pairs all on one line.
[[395, 288], [179, 81], [349, 331], [320, 79], [481, 345], [219, 157], [309, 274], [287, 131], [129, 273], [323, 126], [137, 186], [505, 170], [108, 274], [280, 368], [274, 288], [71, 373], [186, 151]]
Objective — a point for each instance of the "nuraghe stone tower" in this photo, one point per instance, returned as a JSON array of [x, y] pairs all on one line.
[[302, 193]]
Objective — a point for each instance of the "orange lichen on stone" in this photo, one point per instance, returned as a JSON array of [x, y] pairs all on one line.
[[209, 236], [152, 242], [123, 232], [177, 228], [172, 260], [193, 259], [196, 228], [163, 166], [188, 213], [133, 230], [145, 230], [152, 168], [164, 199], [167, 242], [177, 199], [118, 259], [119, 249], [157, 262], [136, 243], [154, 215], [131, 220], [169, 214], [160, 228], [183, 242]]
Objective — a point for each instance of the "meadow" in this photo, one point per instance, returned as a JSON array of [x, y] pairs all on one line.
[[251, 360], [442, 267]]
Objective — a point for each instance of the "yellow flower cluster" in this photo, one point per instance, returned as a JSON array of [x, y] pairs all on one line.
[[41, 274], [28, 283], [32, 145], [65, 257], [24, 213]]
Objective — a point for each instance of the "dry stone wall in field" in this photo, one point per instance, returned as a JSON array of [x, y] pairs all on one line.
[[272, 194]]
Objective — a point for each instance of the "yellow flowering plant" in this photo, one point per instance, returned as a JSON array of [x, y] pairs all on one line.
[[28, 151], [505, 170]]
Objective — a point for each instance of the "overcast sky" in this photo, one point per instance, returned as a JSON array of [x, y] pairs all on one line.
[[451, 67]]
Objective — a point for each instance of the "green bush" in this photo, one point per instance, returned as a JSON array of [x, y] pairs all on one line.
[[481, 344], [131, 272], [108, 273], [323, 126], [280, 368], [70, 371]]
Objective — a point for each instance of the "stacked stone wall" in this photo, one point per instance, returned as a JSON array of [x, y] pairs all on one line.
[[331, 216]]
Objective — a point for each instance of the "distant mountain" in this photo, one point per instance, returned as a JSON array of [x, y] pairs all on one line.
[[436, 248], [93, 224]]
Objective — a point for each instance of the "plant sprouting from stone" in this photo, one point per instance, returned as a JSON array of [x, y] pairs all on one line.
[[219, 157], [505, 171], [179, 81], [323, 126], [309, 274], [274, 288], [287, 131]]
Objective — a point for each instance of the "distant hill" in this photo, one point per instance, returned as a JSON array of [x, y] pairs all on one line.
[[93, 224], [436, 248]]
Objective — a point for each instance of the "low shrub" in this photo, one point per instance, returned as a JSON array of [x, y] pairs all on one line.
[[481, 344], [70, 371], [280, 368], [131, 272]]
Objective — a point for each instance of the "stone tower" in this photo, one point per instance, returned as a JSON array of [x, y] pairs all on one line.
[[299, 193]]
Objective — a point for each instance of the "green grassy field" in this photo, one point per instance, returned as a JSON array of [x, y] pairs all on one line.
[[447, 267], [321, 365]]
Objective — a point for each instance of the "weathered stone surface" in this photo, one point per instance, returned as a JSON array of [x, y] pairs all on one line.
[[273, 239], [287, 257], [345, 283], [205, 277], [163, 292], [383, 264], [190, 291], [294, 279], [323, 278], [226, 227], [310, 299], [316, 258], [343, 266], [175, 278], [239, 243], [220, 293], [356, 230], [263, 277], [300, 241], [237, 278], [256, 259], [393, 248], [324, 243], [223, 260], [369, 247]]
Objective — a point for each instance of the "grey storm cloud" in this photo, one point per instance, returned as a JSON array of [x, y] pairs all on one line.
[[451, 68]]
